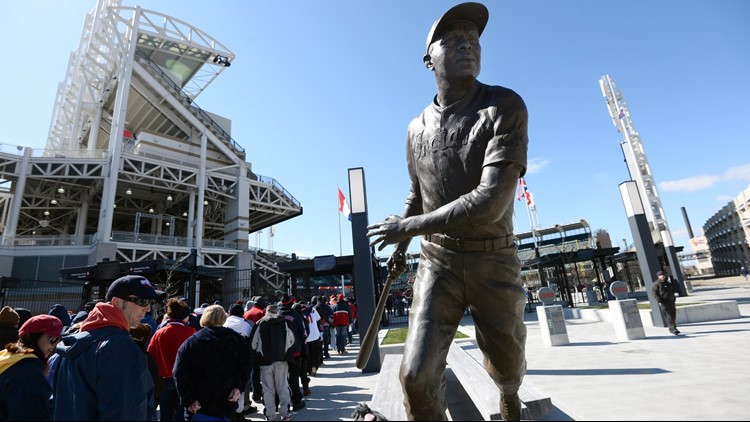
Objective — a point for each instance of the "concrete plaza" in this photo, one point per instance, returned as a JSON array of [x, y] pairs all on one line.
[[700, 375]]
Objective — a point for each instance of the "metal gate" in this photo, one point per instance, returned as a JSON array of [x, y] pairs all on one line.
[[38, 296]]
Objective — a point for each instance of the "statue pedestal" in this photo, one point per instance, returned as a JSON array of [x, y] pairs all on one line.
[[552, 325], [627, 319]]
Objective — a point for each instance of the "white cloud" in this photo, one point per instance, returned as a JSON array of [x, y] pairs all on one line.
[[691, 184], [535, 165], [738, 173]]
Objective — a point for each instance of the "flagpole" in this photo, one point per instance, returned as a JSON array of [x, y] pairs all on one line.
[[341, 253], [339, 214], [531, 220]]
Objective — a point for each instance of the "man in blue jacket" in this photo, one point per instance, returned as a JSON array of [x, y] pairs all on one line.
[[103, 375]]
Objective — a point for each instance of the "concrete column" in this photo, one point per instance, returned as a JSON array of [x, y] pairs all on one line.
[[363, 276], [15, 206], [644, 244], [114, 149], [191, 219]]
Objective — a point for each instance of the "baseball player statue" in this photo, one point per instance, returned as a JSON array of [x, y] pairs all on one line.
[[465, 153]]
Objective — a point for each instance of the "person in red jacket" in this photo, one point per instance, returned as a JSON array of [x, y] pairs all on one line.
[[353, 322], [163, 347], [258, 310]]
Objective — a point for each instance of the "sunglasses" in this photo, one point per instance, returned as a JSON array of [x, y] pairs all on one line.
[[139, 301], [54, 340]]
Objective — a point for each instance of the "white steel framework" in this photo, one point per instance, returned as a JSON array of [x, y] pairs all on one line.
[[127, 138], [640, 172], [637, 162]]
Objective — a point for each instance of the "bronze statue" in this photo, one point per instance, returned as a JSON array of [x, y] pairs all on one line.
[[465, 153]]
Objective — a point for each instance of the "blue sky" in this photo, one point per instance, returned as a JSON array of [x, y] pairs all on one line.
[[322, 86]]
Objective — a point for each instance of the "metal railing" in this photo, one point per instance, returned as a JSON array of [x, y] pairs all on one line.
[[271, 181], [45, 240], [166, 240], [208, 120], [69, 153], [53, 153]]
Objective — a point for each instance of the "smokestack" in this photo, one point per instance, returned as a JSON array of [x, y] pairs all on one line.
[[687, 222]]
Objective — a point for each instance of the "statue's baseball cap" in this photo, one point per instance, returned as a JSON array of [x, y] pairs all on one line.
[[134, 285], [475, 13]]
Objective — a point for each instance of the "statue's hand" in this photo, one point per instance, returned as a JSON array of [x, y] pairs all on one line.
[[387, 232], [396, 264]]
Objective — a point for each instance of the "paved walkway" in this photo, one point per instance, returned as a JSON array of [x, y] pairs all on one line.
[[701, 375]]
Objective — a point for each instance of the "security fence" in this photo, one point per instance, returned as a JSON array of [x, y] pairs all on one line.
[[38, 296]]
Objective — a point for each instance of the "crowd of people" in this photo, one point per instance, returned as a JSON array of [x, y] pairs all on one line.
[[127, 358]]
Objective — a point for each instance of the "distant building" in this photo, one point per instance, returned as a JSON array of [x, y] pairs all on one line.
[[728, 235], [702, 253], [605, 241]]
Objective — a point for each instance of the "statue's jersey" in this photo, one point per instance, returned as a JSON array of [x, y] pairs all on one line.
[[447, 148]]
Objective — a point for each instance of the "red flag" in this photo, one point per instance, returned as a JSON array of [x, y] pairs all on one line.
[[523, 192], [343, 206]]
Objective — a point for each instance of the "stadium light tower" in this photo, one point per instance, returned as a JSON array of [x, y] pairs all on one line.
[[641, 174]]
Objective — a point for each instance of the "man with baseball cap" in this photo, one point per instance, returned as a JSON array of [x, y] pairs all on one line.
[[103, 375], [465, 153]]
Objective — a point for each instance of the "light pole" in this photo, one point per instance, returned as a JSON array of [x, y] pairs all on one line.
[[643, 243], [562, 259], [363, 275]]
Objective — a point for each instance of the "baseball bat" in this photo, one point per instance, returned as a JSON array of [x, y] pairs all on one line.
[[371, 336]]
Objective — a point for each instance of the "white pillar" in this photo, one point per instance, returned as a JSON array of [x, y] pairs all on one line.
[[15, 206]]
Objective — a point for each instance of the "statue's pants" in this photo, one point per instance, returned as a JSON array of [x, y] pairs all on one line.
[[447, 282]]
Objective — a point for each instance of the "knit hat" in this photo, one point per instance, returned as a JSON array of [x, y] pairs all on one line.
[[9, 317], [287, 300], [659, 273], [61, 312], [23, 315], [46, 324], [236, 310]]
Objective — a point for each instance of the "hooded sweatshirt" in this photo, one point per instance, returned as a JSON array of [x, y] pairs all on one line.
[[102, 374], [24, 391]]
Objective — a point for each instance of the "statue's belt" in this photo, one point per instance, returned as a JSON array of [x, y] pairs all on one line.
[[470, 245]]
